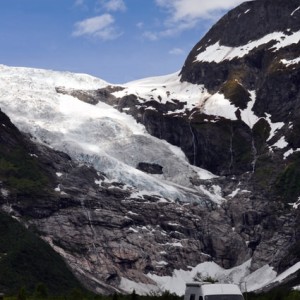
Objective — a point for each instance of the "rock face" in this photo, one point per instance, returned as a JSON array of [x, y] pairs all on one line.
[[107, 230], [103, 232]]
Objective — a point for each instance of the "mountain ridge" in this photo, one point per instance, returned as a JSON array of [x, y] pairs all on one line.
[[196, 169]]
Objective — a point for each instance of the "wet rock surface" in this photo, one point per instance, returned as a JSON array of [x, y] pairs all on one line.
[[105, 232]]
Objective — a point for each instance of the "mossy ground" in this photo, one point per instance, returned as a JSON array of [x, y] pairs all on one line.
[[236, 93]]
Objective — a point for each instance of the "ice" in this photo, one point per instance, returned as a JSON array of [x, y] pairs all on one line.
[[111, 141]]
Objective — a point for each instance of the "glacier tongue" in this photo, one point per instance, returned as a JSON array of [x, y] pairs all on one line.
[[111, 141]]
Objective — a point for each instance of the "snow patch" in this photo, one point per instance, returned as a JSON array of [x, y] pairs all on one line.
[[214, 193], [57, 189], [281, 143], [217, 53], [140, 288], [296, 204], [295, 11], [260, 278], [234, 193], [239, 275], [288, 272], [290, 62], [274, 126], [218, 105], [176, 282], [165, 89], [4, 192]]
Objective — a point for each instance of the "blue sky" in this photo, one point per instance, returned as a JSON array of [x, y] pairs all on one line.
[[116, 40]]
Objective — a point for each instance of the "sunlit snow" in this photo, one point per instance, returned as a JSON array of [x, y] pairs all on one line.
[[291, 62], [164, 89], [217, 53], [294, 11], [239, 275], [281, 143], [112, 142]]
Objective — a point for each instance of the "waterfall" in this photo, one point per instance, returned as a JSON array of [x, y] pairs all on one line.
[[231, 149], [193, 139], [93, 231], [254, 153]]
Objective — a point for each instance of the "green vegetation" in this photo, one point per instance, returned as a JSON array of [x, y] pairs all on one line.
[[76, 294], [275, 294], [266, 172], [236, 93], [261, 132], [288, 182], [21, 172], [27, 261]]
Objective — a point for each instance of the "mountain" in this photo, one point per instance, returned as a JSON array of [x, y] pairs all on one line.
[[149, 184]]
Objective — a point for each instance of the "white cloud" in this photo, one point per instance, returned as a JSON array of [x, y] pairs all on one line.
[[185, 14], [113, 5], [98, 27], [152, 36], [176, 51], [79, 2], [182, 9], [140, 25]]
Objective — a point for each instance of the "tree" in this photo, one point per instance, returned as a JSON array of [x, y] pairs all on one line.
[[22, 294], [41, 291]]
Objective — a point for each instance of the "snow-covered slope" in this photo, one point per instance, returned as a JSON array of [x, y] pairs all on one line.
[[113, 142], [194, 98]]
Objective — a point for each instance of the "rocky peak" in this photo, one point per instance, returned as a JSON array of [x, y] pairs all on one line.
[[251, 21], [265, 21]]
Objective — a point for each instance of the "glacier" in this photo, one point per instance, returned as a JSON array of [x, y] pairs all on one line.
[[111, 141]]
